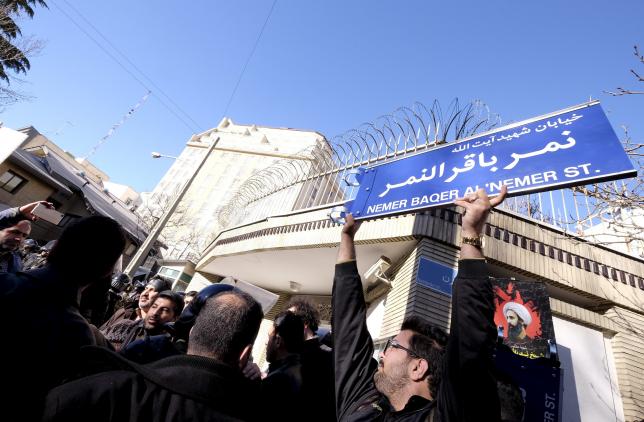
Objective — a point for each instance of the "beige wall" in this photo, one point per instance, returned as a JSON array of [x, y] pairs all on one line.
[[33, 190], [399, 298]]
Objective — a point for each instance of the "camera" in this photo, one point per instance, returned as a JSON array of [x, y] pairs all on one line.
[[119, 283]]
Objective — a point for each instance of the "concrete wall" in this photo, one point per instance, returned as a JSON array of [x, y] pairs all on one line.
[[628, 349]]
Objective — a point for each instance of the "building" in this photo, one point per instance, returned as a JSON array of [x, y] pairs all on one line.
[[40, 170], [124, 193], [273, 230], [596, 293], [622, 230], [240, 152]]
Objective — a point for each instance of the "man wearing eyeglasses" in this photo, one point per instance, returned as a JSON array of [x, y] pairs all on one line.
[[422, 374]]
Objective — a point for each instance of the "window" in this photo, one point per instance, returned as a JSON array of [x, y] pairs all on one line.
[[11, 182]]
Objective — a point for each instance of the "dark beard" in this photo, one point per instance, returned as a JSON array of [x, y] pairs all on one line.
[[514, 331]]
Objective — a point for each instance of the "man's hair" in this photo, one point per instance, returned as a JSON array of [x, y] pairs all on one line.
[[159, 284], [175, 298], [428, 342], [88, 248], [226, 324], [307, 311], [290, 327]]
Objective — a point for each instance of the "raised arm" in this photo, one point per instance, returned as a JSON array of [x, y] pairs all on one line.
[[353, 347], [468, 389], [347, 250], [477, 207], [24, 212]]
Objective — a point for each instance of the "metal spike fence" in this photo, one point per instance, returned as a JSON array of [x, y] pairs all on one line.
[[316, 176]]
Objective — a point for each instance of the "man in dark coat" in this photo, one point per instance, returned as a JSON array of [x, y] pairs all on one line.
[[282, 388], [317, 365], [15, 227], [42, 325], [144, 301], [422, 375], [120, 330], [206, 384], [165, 309]]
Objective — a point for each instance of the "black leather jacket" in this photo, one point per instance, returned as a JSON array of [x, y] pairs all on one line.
[[468, 389]]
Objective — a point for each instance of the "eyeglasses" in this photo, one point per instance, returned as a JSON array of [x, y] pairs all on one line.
[[393, 343]]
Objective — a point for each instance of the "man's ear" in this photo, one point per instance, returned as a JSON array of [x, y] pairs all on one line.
[[278, 341], [245, 355], [419, 369]]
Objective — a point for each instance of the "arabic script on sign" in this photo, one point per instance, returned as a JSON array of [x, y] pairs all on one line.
[[471, 161]]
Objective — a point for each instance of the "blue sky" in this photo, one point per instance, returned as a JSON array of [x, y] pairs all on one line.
[[326, 66]]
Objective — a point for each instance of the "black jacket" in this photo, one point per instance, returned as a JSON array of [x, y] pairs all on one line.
[[282, 397], [178, 388], [151, 349], [319, 381], [44, 331], [467, 391]]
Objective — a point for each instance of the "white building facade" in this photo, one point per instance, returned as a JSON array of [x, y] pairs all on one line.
[[240, 152]]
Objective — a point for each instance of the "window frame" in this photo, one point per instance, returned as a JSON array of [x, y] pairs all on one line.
[[14, 175]]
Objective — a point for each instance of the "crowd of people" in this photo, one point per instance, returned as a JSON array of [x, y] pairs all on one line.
[[84, 344]]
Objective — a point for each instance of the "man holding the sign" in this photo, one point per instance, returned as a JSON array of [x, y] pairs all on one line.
[[422, 374], [15, 227]]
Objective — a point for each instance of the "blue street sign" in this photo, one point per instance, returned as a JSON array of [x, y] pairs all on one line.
[[436, 276], [571, 147]]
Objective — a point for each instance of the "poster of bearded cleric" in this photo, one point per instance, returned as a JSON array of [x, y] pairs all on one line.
[[523, 310]]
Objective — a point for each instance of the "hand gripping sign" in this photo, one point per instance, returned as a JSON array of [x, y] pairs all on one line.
[[570, 147]]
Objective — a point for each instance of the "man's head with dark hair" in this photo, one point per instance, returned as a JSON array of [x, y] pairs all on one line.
[[155, 286], [413, 360], [226, 328], [13, 231], [88, 249], [286, 336], [167, 307], [309, 314], [176, 298]]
